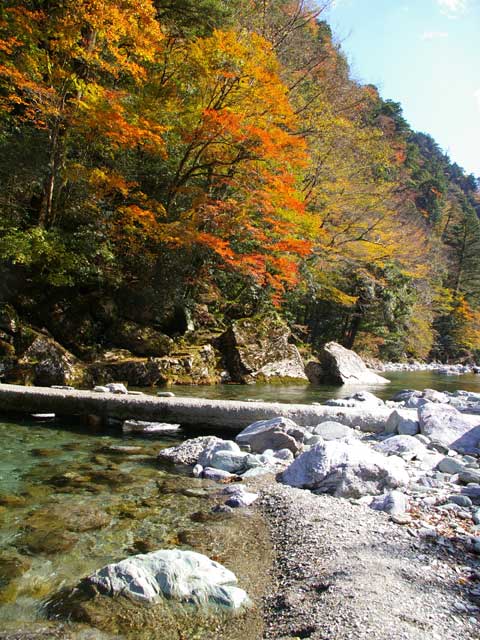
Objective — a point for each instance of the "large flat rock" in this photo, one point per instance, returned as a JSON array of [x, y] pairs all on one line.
[[198, 412]]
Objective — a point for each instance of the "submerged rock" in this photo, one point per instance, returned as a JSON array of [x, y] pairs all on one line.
[[345, 469], [182, 575], [363, 399], [142, 426]]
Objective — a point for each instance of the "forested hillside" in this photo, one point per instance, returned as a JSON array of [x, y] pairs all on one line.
[[201, 160]]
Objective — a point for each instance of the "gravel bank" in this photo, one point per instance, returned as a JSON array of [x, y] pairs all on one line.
[[344, 571]]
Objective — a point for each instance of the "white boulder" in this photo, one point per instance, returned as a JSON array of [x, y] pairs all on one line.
[[445, 425], [402, 422], [182, 575], [345, 468], [142, 426]]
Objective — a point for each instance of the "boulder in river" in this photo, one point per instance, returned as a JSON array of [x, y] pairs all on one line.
[[347, 469], [186, 576], [257, 349], [343, 366]]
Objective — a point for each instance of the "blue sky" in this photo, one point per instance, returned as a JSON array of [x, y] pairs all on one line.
[[424, 54]]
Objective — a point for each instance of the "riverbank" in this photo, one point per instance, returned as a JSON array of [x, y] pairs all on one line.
[[344, 571]]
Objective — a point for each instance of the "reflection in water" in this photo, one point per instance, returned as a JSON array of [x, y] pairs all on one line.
[[308, 393]]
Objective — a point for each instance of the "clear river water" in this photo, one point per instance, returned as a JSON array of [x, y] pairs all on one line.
[[72, 501]]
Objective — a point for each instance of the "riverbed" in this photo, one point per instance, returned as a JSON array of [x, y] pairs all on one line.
[[72, 501]]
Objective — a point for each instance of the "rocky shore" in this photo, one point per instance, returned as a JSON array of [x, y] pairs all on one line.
[[344, 571], [375, 535]]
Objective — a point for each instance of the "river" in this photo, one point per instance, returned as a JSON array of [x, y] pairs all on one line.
[[71, 502]]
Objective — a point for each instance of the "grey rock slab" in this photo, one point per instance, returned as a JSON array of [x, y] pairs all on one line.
[[182, 575], [448, 427], [331, 430], [277, 433], [451, 466], [197, 412], [468, 476], [345, 469], [461, 501], [472, 491], [404, 446]]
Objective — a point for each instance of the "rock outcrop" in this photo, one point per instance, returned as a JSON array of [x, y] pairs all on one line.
[[192, 365], [341, 366], [43, 362], [257, 349], [140, 340]]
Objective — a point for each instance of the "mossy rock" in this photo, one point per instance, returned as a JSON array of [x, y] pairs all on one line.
[[257, 349], [44, 362], [6, 349], [12, 565], [196, 364], [46, 542], [12, 500], [140, 340]]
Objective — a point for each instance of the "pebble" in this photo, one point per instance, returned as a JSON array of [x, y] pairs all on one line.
[[461, 501], [403, 518]]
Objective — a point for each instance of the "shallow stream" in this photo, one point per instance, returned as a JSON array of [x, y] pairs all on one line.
[[71, 501]]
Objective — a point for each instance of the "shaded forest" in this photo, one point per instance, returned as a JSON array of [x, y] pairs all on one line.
[[162, 161]]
